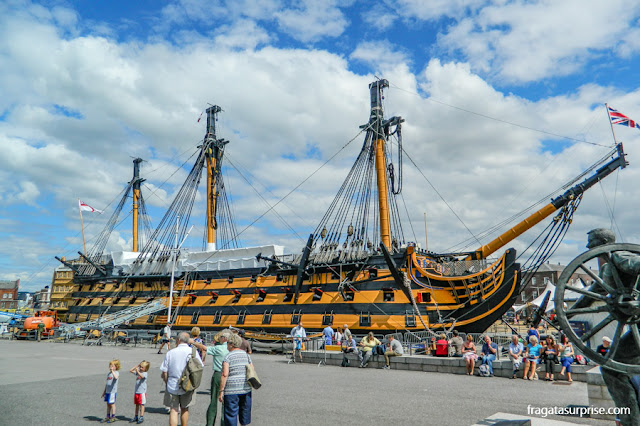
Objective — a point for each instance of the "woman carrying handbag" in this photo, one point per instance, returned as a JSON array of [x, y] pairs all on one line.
[[235, 391]]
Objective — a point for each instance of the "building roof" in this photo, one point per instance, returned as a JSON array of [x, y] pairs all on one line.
[[551, 267], [556, 267], [63, 268], [9, 285]]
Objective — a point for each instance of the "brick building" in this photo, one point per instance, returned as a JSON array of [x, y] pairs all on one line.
[[549, 272], [41, 299], [9, 294]]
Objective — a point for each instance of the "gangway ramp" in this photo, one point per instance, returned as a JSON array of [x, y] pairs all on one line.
[[115, 319]]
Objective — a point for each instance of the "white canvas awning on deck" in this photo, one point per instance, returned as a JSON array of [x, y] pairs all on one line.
[[518, 308], [219, 260], [568, 295]]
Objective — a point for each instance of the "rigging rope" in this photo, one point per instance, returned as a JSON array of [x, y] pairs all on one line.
[[614, 223], [555, 233], [461, 246], [353, 211], [299, 185], [283, 198], [431, 99], [441, 197], [398, 190], [284, 222]]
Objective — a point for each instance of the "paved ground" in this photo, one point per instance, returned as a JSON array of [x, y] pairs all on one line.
[[61, 384]]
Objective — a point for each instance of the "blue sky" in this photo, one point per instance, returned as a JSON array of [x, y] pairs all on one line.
[[496, 94]]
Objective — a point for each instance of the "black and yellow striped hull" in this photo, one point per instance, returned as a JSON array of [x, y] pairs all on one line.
[[369, 299]]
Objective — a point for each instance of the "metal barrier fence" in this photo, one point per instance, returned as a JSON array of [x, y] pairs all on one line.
[[125, 336], [411, 340]]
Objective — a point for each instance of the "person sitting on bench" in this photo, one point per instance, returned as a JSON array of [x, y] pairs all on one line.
[[442, 346], [349, 347], [489, 352], [367, 344], [394, 349]]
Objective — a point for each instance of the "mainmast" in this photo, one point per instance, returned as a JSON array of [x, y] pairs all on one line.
[[354, 225], [376, 126], [136, 181], [214, 152]]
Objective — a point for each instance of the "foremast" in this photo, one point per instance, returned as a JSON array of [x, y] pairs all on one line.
[[214, 153], [135, 182], [375, 122]]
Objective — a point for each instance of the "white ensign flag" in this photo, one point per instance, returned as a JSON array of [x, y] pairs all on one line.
[[88, 208]]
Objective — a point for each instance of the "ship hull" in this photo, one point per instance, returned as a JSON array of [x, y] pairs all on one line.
[[364, 295]]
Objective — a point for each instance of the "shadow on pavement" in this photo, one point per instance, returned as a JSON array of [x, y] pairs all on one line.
[[157, 410]]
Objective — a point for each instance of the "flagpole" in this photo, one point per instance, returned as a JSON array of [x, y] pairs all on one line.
[[84, 245], [426, 239], [611, 124]]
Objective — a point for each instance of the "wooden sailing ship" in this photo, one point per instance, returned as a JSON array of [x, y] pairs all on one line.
[[355, 269]]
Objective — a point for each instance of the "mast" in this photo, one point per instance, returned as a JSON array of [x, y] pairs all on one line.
[[377, 127], [174, 258], [555, 204], [214, 152], [136, 198]]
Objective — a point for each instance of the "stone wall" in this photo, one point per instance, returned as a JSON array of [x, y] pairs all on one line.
[[598, 393], [501, 368]]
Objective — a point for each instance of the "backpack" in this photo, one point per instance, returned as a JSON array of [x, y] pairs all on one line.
[[580, 359], [484, 370], [192, 373]]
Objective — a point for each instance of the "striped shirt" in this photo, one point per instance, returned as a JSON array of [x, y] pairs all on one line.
[[237, 380]]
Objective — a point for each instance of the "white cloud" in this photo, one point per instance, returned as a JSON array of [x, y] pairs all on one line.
[[313, 20], [28, 193], [379, 54], [629, 43], [307, 21], [529, 41], [379, 17], [285, 112], [183, 11], [434, 9], [244, 34]]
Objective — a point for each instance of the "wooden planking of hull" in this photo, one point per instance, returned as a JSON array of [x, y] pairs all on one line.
[[362, 295]]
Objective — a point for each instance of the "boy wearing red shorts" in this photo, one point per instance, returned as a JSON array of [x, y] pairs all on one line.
[[140, 396]]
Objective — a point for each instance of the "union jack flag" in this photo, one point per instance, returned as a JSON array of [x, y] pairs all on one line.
[[619, 118]]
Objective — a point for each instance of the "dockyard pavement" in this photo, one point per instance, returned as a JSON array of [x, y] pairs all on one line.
[[61, 384]]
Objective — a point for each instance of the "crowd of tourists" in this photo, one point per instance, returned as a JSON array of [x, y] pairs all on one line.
[[230, 354], [230, 381], [531, 354]]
